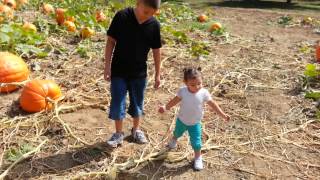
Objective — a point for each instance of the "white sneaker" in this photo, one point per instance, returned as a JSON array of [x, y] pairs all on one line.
[[172, 144], [198, 164]]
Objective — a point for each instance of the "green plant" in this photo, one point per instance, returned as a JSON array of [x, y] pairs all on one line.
[[14, 38], [285, 20], [13, 154]]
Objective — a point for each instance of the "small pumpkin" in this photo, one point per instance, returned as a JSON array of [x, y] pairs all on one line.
[[5, 12], [215, 26], [47, 8], [29, 27], [100, 16], [318, 51], [86, 32], [12, 69], [60, 17], [70, 26], [10, 3], [202, 18], [35, 94], [71, 18], [307, 20]]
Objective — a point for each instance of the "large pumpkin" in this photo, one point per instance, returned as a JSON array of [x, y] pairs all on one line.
[[35, 94], [12, 69]]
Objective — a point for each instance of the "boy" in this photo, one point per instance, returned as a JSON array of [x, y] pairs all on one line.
[[133, 31]]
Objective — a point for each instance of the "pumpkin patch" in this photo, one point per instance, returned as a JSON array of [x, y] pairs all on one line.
[[36, 95], [12, 69]]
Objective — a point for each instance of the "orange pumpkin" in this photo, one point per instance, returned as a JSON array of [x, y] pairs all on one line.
[[86, 32], [12, 69], [29, 27], [71, 18], [35, 94], [47, 8], [100, 16], [60, 16], [70, 26], [5, 12], [10, 3], [215, 26], [202, 18], [318, 52]]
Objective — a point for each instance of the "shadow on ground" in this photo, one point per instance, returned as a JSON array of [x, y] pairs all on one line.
[[58, 163]]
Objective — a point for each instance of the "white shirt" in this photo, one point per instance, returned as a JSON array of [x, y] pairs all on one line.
[[191, 106]]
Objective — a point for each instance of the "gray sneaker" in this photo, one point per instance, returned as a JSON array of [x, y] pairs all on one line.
[[115, 140], [172, 144], [138, 136]]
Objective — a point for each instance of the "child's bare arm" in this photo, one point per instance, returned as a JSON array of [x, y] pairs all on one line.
[[157, 66], [170, 104], [108, 54], [215, 107]]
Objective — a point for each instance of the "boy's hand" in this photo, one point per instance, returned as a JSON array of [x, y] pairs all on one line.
[[162, 109], [226, 117], [107, 75], [157, 82]]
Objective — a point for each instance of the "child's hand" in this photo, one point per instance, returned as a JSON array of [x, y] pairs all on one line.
[[162, 109]]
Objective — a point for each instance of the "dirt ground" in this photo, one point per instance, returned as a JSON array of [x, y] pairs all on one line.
[[254, 77]]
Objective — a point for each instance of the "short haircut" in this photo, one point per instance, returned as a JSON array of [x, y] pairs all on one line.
[[155, 4]]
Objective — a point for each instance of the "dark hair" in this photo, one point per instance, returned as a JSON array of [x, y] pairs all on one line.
[[155, 4], [191, 73]]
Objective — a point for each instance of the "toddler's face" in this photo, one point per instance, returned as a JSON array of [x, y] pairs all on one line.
[[194, 85], [145, 12]]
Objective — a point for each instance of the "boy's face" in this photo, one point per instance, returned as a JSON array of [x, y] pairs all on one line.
[[144, 11]]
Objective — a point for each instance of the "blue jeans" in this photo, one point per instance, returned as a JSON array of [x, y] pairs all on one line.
[[119, 89], [194, 133]]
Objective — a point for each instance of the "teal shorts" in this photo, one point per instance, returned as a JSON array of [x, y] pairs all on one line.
[[194, 133]]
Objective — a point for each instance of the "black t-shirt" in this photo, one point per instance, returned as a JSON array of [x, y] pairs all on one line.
[[134, 41]]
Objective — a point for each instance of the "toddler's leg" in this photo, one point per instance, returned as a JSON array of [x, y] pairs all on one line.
[[196, 143], [179, 129], [178, 132]]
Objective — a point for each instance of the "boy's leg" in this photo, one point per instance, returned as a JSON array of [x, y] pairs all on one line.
[[196, 143], [118, 88], [136, 89]]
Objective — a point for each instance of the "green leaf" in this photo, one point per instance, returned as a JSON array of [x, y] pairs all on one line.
[[311, 71], [4, 38], [27, 49], [312, 95]]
